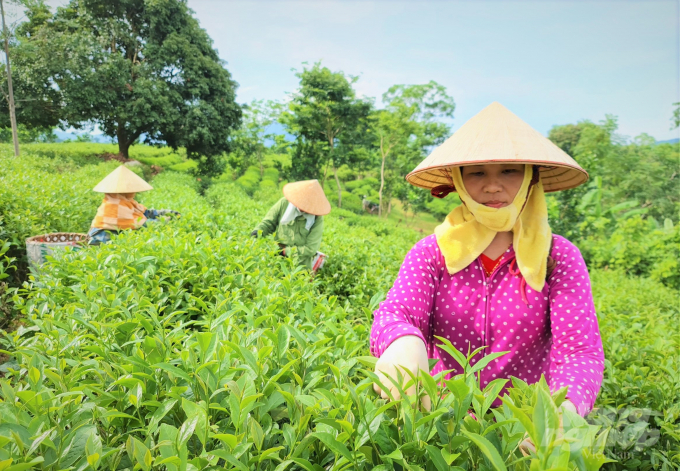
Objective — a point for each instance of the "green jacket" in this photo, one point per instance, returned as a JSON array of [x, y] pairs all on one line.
[[306, 242]]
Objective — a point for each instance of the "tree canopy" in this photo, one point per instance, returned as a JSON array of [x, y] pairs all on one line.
[[404, 130], [328, 120], [136, 68]]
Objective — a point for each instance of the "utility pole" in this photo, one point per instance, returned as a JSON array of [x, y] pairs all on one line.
[[12, 112]]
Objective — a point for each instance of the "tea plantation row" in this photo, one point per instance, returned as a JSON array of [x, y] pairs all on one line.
[[189, 345]]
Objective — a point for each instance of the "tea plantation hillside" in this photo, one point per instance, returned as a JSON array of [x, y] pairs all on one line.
[[189, 345]]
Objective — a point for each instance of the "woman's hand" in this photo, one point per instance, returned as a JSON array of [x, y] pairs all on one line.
[[527, 446], [406, 352], [167, 214]]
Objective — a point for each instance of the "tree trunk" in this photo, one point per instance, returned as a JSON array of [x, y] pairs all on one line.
[[337, 182], [123, 142], [382, 178], [12, 110], [325, 172]]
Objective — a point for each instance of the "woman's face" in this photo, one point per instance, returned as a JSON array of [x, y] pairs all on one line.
[[493, 185]]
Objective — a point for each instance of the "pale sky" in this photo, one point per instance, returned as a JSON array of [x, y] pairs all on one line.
[[549, 61]]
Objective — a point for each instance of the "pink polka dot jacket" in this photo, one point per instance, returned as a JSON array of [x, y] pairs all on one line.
[[554, 332]]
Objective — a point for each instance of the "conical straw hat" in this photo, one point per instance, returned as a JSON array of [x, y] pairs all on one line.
[[122, 180], [496, 135], [307, 196]]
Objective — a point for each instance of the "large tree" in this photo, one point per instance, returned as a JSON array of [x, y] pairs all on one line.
[[406, 129], [249, 141], [136, 68], [590, 145], [328, 120]]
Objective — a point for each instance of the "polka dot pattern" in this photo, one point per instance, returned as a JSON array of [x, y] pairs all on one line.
[[555, 334]]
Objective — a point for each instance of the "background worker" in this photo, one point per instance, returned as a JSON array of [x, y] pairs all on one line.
[[297, 219], [119, 211]]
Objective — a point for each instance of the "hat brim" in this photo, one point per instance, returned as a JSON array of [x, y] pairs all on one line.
[[495, 135], [307, 196], [554, 177]]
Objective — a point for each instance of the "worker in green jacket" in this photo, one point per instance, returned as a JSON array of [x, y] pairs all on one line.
[[297, 219]]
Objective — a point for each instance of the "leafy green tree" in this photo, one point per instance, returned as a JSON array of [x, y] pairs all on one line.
[[566, 136], [590, 145], [392, 128], [28, 134], [328, 120], [628, 180], [405, 130], [307, 157], [676, 116], [37, 102], [136, 68], [249, 141], [645, 172]]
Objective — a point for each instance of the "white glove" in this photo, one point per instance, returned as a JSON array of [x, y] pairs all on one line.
[[406, 352]]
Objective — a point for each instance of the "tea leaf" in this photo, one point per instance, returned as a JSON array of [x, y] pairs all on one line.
[[159, 414], [435, 455], [283, 340], [333, 445], [186, 431], [256, 434], [487, 449], [174, 370], [137, 452]]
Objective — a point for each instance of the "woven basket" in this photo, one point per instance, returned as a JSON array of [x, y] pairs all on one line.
[[38, 247]]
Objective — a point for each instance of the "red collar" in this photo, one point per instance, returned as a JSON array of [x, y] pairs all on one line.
[[489, 264]]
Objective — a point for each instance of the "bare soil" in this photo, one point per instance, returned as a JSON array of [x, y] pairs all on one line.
[[106, 156]]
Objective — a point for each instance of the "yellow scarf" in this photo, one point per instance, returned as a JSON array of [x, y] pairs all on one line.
[[119, 212], [469, 229]]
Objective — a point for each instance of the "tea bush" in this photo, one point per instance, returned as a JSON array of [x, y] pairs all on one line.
[[638, 247], [249, 180], [186, 166], [350, 201], [39, 195], [82, 152], [272, 175], [369, 184], [189, 345], [640, 396]]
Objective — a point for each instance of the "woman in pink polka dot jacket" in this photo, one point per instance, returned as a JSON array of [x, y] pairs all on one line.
[[493, 275]]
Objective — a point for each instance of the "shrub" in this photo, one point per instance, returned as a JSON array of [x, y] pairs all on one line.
[[272, 175], [364, 185], [268, 185], [637, 246], [249, 180], [190, 345], [39, 195], [345, 173], [351, 202], [190, 342], [440, 208], [186, 166], [640, 394]]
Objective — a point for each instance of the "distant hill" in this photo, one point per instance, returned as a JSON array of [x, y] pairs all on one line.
[[669, 141]]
